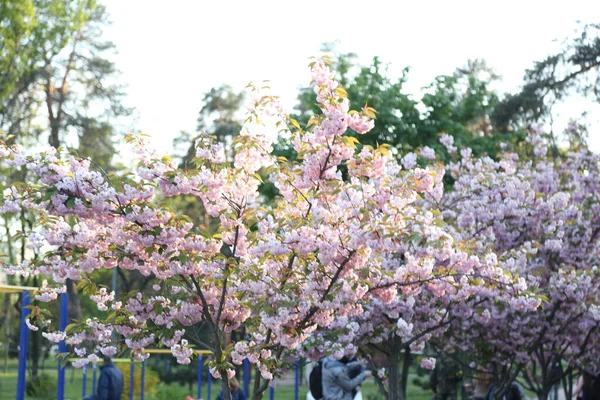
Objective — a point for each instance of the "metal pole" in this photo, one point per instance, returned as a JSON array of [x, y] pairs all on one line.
[[84, 383], [208, 384], [143, 378], [23, 344], [200, 365], [297, 380], [62, 346], [246, 376], [131, 379]]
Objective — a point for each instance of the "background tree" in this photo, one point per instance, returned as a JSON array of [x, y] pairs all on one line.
[[541, 216], [459, 104], [573, 69], [58, 79], [219, 117]]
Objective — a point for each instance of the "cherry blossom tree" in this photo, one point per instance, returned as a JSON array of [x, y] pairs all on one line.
[[427, 281], [541, 215], [347, 238]]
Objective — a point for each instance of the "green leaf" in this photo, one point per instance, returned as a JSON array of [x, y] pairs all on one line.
[[295, 124], [258, 178], [341, 92]]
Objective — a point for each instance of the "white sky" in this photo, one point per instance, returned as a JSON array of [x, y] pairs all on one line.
[[171, 52]]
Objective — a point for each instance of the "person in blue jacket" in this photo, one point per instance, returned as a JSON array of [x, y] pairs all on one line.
[[110, 384]]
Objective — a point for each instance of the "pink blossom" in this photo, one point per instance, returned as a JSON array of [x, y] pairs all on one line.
[[409, 160], [30, 325], [428, 363], [54, 336], [448, 142], [80, 363], [360, 124], [428, 153]]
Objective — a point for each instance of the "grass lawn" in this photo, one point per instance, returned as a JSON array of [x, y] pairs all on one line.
[[161, 391], [73, 381]]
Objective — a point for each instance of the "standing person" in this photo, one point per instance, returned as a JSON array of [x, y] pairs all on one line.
[[445, 378], [337, 384], [315, 381], [591, 386], [110, 384], [481, 385], [236, 392], [354, 369], [556, 374]]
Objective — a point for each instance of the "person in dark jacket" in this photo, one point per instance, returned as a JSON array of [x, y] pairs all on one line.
[[337, 384], [445, 378], [110, 384], [591, 386]]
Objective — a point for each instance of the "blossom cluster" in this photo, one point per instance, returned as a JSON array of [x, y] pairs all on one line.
[[541, 216]]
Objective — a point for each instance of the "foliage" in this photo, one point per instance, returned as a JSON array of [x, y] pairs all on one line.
[[42, 386], [219, 117], [573, 69], [151, 380], [170, 372], [170, 392], [459, 104], [59, 70]]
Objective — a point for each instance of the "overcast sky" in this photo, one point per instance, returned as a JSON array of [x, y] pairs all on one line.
[[171, 52]]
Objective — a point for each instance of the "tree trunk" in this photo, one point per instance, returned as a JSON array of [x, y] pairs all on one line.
[[54, 139], [7, 307], [405, 367], [36, 353], [256, 393], [543, 394], [395, 385], [7, 304], [225, 386], [567, 382], [74, 313], [55, 121]]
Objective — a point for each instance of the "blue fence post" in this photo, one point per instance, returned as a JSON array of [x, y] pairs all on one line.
[[95, 370], [62, 346], [114, 334], [84, 383], [271, 393], [143, 378], [297, 379], [200, 365], [131, 379], [246, 376], [23, 344], [208, 384]]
